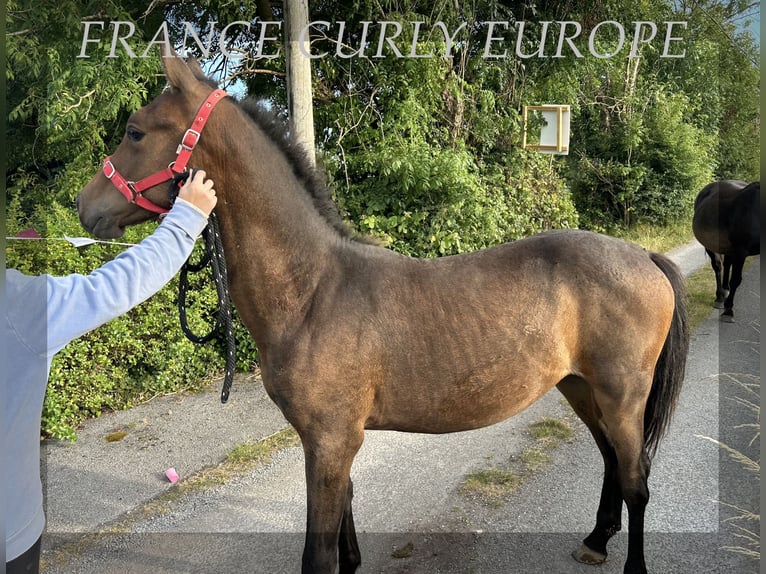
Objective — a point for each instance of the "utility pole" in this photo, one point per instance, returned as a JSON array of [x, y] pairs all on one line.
[[299, 95]]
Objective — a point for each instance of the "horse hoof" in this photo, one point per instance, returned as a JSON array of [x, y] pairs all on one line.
[[588, 556], [718, 305], [727, 318]]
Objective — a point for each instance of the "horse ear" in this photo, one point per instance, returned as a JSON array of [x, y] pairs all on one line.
[[178, 73], [195, 68]]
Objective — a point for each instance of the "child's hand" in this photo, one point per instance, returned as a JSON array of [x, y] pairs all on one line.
[[199, 192]]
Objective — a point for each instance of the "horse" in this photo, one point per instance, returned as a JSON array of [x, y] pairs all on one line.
[[727, 222], [354, 337]]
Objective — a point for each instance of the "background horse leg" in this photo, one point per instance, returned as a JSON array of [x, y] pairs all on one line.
[[609, 515], [716, 262], [726, 265], [329, 456], [349, 556], [735, 262]]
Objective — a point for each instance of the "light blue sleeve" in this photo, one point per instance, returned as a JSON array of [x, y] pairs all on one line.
[[77, 304]]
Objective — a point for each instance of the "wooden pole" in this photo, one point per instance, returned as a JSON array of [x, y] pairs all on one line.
[[299, 95]]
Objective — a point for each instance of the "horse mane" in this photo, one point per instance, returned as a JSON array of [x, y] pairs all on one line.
[[313, 179]]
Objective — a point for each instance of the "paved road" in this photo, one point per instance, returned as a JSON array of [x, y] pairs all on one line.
[[407, 486]]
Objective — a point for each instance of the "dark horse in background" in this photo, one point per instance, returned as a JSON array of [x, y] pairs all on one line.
[[727, 222], [352, 336]]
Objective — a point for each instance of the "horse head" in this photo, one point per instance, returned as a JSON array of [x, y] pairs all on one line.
[[115, 197]]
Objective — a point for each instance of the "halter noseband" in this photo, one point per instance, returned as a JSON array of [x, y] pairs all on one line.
[[133, 190]]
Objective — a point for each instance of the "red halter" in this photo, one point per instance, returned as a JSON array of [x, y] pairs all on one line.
[[133, 190]]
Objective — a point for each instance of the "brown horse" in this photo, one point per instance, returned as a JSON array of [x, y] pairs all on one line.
[[353, 336], [727, 222]]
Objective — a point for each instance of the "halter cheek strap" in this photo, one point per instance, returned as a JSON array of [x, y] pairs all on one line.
[[133, 190]]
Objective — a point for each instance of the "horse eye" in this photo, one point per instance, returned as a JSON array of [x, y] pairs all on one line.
[[134, 134]]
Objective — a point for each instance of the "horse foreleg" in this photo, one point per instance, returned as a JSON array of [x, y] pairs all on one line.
[[328, 466], [348, 548], [736, 263]]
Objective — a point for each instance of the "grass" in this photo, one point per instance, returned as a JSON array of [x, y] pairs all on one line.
[[242, 458], [744, 523], [492, 486], [658, 239], [250, 454], [405, 551], [535, 458], [551, 431], [700, 294], [115, 436]]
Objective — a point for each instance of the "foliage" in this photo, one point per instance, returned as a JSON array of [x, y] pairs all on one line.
[[64, 112], [424, 151]]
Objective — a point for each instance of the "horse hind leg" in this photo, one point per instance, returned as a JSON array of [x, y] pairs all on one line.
[[623, 421], [609, 514], [736, 263], [615, 418], [721, 284]]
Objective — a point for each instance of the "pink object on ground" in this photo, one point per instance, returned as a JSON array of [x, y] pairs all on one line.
[[172, 475]]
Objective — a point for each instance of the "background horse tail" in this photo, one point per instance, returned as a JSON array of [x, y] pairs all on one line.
[[669, 371]]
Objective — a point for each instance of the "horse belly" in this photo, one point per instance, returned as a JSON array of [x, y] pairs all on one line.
[[712, 239], [439, 403]]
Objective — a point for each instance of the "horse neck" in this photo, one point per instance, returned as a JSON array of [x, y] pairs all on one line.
[[277, 245]]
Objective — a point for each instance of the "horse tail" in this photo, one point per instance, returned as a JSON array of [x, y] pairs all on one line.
[[669, 370]]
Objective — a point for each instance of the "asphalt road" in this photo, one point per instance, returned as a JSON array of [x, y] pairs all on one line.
[[407, 487]]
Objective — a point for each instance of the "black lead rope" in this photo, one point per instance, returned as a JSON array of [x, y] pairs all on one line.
[[214, 258]]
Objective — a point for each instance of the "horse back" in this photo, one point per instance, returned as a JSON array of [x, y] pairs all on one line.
[[723, 190], [727, 217]]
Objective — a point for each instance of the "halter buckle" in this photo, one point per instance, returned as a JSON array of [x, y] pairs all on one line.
[[108, 164], [194, 134]]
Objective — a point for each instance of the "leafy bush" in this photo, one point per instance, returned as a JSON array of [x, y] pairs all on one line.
[[429, 162], [647, 170]]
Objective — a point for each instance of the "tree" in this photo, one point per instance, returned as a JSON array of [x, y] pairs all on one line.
[[65, 112]]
